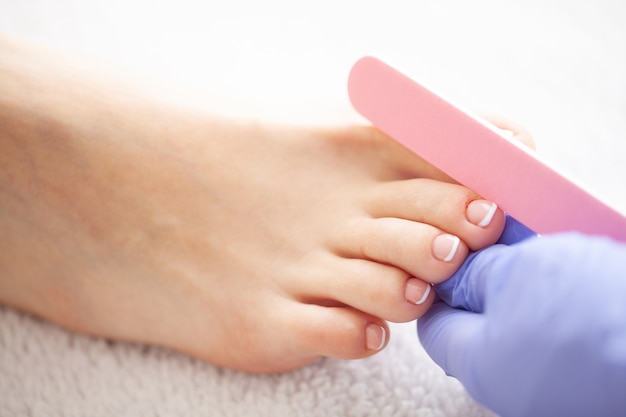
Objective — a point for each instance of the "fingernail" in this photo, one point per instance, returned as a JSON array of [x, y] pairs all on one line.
[[507, 132], [480, 212], [513, 135], [445, 247], [417, 291], [375, 336]]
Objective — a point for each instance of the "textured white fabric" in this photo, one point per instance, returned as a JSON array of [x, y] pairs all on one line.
[[555, 66], [49, 372]]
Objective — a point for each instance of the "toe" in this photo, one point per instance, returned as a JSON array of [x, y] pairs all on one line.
[[449, 207], [374, 288], [338, 332], [422, 250]]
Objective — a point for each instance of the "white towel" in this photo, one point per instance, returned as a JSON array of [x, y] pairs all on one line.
[[46, 371]]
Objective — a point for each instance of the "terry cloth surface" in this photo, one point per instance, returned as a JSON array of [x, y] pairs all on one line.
[[46, 371]]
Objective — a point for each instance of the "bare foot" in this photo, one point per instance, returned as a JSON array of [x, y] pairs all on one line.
[[255, 247]]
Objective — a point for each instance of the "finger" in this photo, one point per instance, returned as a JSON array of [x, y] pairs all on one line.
[[467, 287], [518, 132], [448, 336]]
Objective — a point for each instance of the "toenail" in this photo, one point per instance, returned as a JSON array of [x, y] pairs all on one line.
[[445, 247], [375, 336], [417, 291], [480, 212]]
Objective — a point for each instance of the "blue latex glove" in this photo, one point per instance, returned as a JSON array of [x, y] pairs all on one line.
[[537, 328]]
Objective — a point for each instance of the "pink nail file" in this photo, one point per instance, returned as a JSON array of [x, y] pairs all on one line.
[[477, 155]]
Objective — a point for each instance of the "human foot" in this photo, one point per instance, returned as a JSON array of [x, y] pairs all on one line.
[[254, 247]]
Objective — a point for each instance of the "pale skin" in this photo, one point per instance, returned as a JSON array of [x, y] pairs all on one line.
[[251, 246]]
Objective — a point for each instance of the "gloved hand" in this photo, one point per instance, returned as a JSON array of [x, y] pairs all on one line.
[[537, 328]]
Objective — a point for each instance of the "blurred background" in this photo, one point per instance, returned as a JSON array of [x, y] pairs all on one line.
[[558, 67]]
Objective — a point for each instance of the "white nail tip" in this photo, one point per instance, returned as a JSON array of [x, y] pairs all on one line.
[[489, 216], [455, 247], [424, 297], [383, 338]]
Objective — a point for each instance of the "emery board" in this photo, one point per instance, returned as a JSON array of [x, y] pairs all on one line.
[[478, 155]]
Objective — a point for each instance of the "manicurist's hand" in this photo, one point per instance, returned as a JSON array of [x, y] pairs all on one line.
[[536, 328]]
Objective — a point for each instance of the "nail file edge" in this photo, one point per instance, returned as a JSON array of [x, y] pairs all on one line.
[[476, 155]]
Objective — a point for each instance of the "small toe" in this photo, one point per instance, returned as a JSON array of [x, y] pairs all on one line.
[[339, 332]]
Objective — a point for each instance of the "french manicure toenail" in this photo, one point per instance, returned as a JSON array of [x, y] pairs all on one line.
[[481, 212], [375, 336], [417, 291], [445, 247]]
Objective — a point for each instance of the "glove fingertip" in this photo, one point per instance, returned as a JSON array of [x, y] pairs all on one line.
[[446, 334]]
